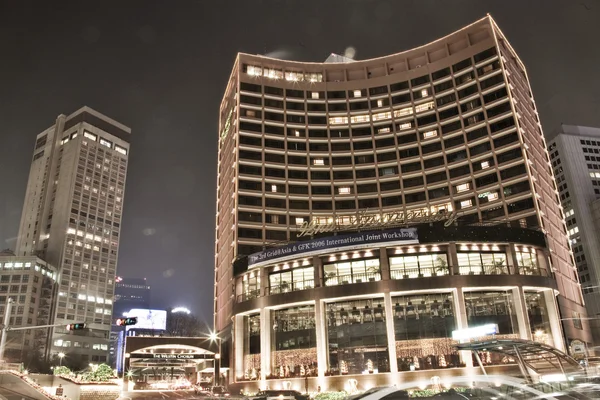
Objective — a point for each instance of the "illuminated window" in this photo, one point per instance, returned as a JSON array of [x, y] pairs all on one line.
[[424, 107], [384, 130], [466, 203], [424, 93], [338, 120], [357, 93], [406, 125], [379, 103], [403, 111], [65, 140], [357, 119], [463, 187], [121, 150], [250, 113], [105, 143], [294, 76], [297, 133], [299, 221], [90, 136], [255, 71], [485, 164], [344, 190], [272, 73], [274, 188], [318, 161], [382, 115], [314, 95], [492, 196], [429, 134]]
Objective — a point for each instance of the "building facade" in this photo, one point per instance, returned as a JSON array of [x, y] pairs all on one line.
[[30, 282], [444, 135], [130, 293], [575, 155], [72, 219]]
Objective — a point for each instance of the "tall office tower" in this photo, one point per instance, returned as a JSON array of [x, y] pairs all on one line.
[[575, 155], [72, 219], [30, 282], [446, 131]]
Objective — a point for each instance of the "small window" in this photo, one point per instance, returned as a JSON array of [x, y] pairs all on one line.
[[492, 196], [429, 134], [384, 130], [274, 188], [466, 203], [318, 161], [357, 93], [485, 164], [463, 187], [90, 136], [379, 103], [314, 95], [424, 93], [344, 190]]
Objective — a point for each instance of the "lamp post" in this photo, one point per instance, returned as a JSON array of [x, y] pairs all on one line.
[[61, 355], [214, 337]]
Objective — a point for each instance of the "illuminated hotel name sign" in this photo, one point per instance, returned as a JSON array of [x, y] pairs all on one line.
[[377, 221]]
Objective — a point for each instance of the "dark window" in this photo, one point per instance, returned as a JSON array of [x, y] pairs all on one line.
[[388, 171], [398, 86], [275, 144], [449, 113], [364, 159], [333, 107], [500, 109], [339, 94], [341, 161], [248, 126], [312, 120], [276, 235], [440, 74], [477, 133], [433, 162], [359, 105], [409, 138], [493, 66], [439, 192], [368, 188], [385, 142], [339, 133], [494, 80], [357, 132], [484, 55], [292, 105], [415, 166], [319, 147], [368, 203], [440, 87], [500, 125], [299, 204], [516, 188], [249, 216], [378, 90], [297, 119], [274, 130], [250, 140], [250, 233], [250, 155], [519, 206], [460, 171], [294, 93], [250, 170], [316, 107], [340, 146], [363, 145], [467, 91], [512, 171], [296, 160], [479, 149], [275, 173], [298, 174], [297, 189], [506, 139], [341, 175], [250, 185], [459, 66], [449, 98], [407, 153], [275, 158], [391, 201], [431, 148], [244, 99], [391, 155], [401, 98], [437, 177], [321, 190], [322, 205], [345, 205], [451, 127], [273, 90], [464, 78], [415, 197], [250, 201], [470, 105], [420, 80], [364, 173], [391, 185], [485, 180], [317, 133], [320, 175], [428, 119], [495, 95], [473, 119], [250, 87], [274, 103], [509, 155]]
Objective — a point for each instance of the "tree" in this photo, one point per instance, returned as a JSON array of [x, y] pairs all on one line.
[[183, 325], [100, 373], [62, 371]]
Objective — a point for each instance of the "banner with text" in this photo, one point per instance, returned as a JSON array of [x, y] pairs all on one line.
[[404, 235]]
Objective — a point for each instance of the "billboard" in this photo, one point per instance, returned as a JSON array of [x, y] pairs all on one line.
[[148, 319]]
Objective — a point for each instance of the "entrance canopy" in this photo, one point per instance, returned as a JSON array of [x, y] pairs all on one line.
[[168, 351], [538, 357]]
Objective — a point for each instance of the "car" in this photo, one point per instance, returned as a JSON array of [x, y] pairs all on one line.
[[278, 395], [219, 391]]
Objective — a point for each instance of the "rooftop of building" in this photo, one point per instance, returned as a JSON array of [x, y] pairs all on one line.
[[575, 130]]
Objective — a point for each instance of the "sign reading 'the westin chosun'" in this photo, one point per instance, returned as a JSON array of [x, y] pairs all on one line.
[[406, 235]]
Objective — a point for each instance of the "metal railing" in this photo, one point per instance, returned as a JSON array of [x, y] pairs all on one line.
[[352, 278], [481, 270], [536, 271], [291, 286], [411, 273], [251, 294]]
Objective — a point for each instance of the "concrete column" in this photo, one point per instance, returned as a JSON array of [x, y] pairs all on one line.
[[322, 343], [521, 313], [453, 259], [318, 271], [554, 318], [511, 258], [238, 345], [460, 315], [384, 265], [264, 281], [391, 336], [265, 345]]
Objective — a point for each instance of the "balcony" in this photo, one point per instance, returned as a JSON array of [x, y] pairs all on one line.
[[493, 269], [352, 278], [248, 295], [287, 287]]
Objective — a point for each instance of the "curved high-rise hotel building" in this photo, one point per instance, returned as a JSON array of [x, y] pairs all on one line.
[[368, 209]]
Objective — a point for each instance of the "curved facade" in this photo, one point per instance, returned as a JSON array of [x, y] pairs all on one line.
[[447, 131]]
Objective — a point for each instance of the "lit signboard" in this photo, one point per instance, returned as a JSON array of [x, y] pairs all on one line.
[[475, 332], [148, 319]]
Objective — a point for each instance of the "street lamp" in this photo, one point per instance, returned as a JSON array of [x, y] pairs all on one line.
[[61, 355], [214, 337]]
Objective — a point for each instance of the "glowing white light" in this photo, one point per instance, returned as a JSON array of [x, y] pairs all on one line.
[[181, 310], [478, 331]]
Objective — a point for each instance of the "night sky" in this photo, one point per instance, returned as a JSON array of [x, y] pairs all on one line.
[[160, 67]]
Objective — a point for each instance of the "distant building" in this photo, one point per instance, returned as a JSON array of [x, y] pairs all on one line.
[[575, 156], [30, 282], [72, 219], [130, 293]]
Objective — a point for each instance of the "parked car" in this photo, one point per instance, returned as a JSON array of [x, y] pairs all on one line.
[[278, 395], [219, 391]]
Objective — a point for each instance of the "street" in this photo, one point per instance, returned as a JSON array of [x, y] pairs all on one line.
[[13, 388], [164, 394]]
